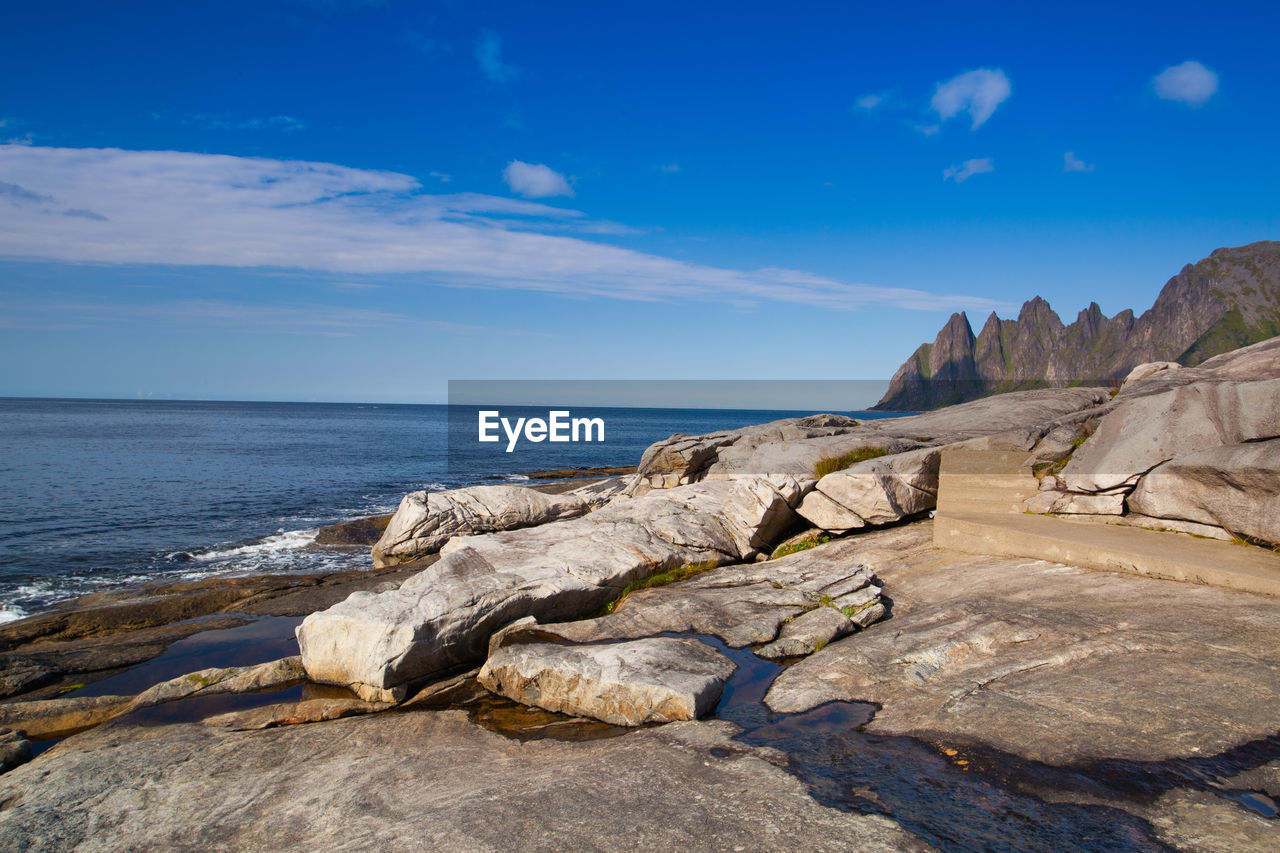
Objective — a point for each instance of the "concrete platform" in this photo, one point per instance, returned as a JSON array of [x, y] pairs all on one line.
[[1155, 554]]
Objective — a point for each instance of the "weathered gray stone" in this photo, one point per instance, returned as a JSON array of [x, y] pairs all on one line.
[[442, 617], [1143, 371], [760, 509], [877, 491], [235, 679], [424, 522], [654, 680], [807, 633], [1236, 487], [683, 459], [1143, 432]]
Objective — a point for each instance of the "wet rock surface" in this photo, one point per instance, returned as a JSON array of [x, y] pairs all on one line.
[[99, 636]]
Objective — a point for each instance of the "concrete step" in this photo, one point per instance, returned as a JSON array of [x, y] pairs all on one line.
[[989, 503], [984, 461], [1013, 490], [1170, 556]]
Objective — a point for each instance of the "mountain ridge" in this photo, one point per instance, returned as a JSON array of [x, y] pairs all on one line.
[[1225, 301]]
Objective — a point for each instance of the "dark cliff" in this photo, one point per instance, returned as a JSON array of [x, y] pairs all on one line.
[[1226, 301]]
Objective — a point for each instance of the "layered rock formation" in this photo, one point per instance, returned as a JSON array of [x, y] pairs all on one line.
[[1195, 446], [1228, 300], [424, 522]]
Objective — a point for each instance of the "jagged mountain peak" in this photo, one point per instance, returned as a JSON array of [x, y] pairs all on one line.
[[1226, 301]]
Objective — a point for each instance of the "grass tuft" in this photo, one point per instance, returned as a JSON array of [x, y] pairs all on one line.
[[797, 547], [831, 464], [679, 573]]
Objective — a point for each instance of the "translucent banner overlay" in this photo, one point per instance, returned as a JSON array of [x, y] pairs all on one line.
[[543, 425]]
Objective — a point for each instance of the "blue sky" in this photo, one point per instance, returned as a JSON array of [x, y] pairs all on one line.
[[333, 200]]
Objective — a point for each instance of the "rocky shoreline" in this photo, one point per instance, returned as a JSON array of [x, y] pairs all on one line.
[[761, 614]]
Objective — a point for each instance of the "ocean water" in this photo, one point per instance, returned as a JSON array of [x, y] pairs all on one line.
[[97, 494]]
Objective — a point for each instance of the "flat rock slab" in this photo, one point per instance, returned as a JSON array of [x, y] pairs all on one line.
[[419, 780], [655, 680], [1050, 662]]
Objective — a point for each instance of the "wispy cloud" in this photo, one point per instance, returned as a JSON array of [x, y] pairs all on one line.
[[534, 180], [232, 316], [968, 169], [1072, 163], [177, 208], [489, 56], [669, 168], [225, 121], [977, 93], [871, 101], [1189, 82]]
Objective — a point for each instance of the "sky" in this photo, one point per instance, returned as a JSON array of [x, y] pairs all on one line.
[[360, 201]]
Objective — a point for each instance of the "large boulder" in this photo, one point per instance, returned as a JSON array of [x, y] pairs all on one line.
[[683, 459], [1235, 487], [877, 491], [653, 680], [378, 644], [1146, 431], [424, 522]]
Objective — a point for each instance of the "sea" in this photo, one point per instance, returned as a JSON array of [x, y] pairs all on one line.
[[103, 494]]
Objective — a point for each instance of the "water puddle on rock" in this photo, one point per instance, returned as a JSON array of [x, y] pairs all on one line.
[[266, 638]]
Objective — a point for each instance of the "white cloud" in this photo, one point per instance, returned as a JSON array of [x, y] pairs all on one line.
[[968, 169], [177, 208], [489, 56], [1191, 83], [534, 180], [976, 92], [870, 101], [669, 168], [1072, 163]]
